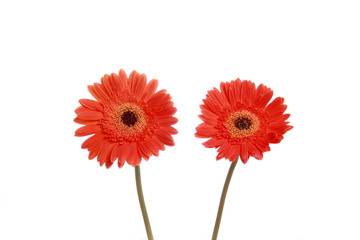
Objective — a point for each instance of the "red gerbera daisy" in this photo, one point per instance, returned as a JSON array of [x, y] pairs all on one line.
[[240, 122], [129, 120]]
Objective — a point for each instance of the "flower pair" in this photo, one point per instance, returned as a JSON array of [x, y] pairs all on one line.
[[130, 121]]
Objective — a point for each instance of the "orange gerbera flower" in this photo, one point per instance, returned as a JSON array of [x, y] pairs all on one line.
[[129, 120], [240, 122]]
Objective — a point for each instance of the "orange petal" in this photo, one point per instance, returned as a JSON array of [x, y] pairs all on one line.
[[151, 146], [133, 157], [115, 83], [106, 85], [104, 152], [158, 143], [132, 81], [85, 122], [94, 93], [90, 115], [99, 89], [80, 109], [88, 130], [113, 156], [143, 151], [96, 139], [123, 153], [123, 80], [114, 153], [91, 104], [93, 154]]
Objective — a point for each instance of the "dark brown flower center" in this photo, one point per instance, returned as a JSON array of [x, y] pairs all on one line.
[[129, 118], [242, 123]]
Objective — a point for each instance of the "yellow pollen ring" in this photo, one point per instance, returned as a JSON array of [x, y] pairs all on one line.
[[140, 115], [236, 132]]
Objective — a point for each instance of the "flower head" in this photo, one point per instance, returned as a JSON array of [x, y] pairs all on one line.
[[240, 122], [129, 120]]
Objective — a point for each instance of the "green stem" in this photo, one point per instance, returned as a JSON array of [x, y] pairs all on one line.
[[222, 200], [142, 203]]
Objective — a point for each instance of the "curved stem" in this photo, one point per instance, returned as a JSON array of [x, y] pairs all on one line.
[[142, 203], [222, 200]]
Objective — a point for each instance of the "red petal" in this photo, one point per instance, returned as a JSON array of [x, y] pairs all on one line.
[[276, 104], [213, 142], [165, 112], [244, 154], [165, 137], [140, 86], [132, 81], [150, 89], [207, 113], [225, 89], [219, 99], [234, 156], [156, 98], [170, 130], [167, 121], [120, 164], [204, 130], [263, 96]]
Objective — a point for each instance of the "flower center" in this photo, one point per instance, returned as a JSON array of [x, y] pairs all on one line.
[[126, 121], [129, 118], [242, 123]]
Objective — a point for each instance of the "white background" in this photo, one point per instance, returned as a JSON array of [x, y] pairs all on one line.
[[306, 188]]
